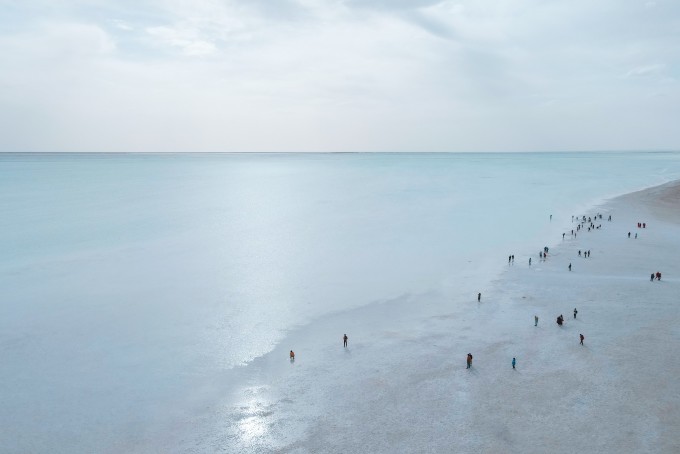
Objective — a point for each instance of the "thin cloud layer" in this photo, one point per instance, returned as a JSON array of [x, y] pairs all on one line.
[[332, 75]]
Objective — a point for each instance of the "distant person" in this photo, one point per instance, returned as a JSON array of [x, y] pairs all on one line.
[[292, 355], [344, 340], [658, 276], [560, 320], [563, 235], [610, 217], [535, 320], [479, 297], [644, 225], [652, 277], [636, 236], [570, 267], [469, 360], [513, 362], [551, 217], [509, 258], [575, 312], [628, 234], [529, 261], [513, 258], [581, 336]]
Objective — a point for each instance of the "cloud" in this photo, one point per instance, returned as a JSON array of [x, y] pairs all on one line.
[[188, 41], [337, 75]]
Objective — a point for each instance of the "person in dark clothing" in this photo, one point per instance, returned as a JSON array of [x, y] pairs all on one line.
[[652, 277], [575, 312], [581, 336], [570, 267], [479, 297], [513, 363], [344, 339], [469, 360]]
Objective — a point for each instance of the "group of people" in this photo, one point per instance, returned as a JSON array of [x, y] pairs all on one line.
[[543, 254], [656, 275]]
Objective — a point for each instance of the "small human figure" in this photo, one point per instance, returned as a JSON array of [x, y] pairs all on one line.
[[560, 320], [551, 217], [513, 258], [652, 277], [628, 234], [469, 360], [562, 235], [292, 355], [529, 261], [535, 320], [581, 336], [610, 217], [570, 267], [579, 253], [644, 225], [540, 254], [344, 340], [636, 236], [509, 258], [513, 362], [575, 312], [479, 297], [658, 276]]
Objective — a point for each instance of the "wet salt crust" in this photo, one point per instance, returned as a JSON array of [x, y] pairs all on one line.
[[408, 389]]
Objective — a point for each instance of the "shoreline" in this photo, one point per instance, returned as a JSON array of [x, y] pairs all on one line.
[[559, 387]]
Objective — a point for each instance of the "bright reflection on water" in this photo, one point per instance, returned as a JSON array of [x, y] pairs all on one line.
[[255, 417]]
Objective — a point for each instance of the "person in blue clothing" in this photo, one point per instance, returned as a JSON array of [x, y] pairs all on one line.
[[513, 362]]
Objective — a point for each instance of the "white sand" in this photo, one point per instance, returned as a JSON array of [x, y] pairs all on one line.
[[408, 390]]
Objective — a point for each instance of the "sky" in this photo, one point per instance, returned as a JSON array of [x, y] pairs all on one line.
[[339, 75]]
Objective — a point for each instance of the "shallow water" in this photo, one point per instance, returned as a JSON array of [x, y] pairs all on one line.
[[135, 287]]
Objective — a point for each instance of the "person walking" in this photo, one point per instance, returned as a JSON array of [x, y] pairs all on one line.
[[529, 261], [344, 339], [469, 360], [513, 363], [535, 320], [581, 336], [479, 297], [292, 355], [570, 267], [652, 277], [575, 312]]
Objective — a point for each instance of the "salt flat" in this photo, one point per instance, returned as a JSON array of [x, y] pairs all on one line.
[[407, 389]]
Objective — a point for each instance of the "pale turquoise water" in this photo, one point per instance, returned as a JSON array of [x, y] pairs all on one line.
[[130, 281]]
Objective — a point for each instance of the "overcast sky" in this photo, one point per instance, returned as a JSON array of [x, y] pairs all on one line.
[[339, 75]]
